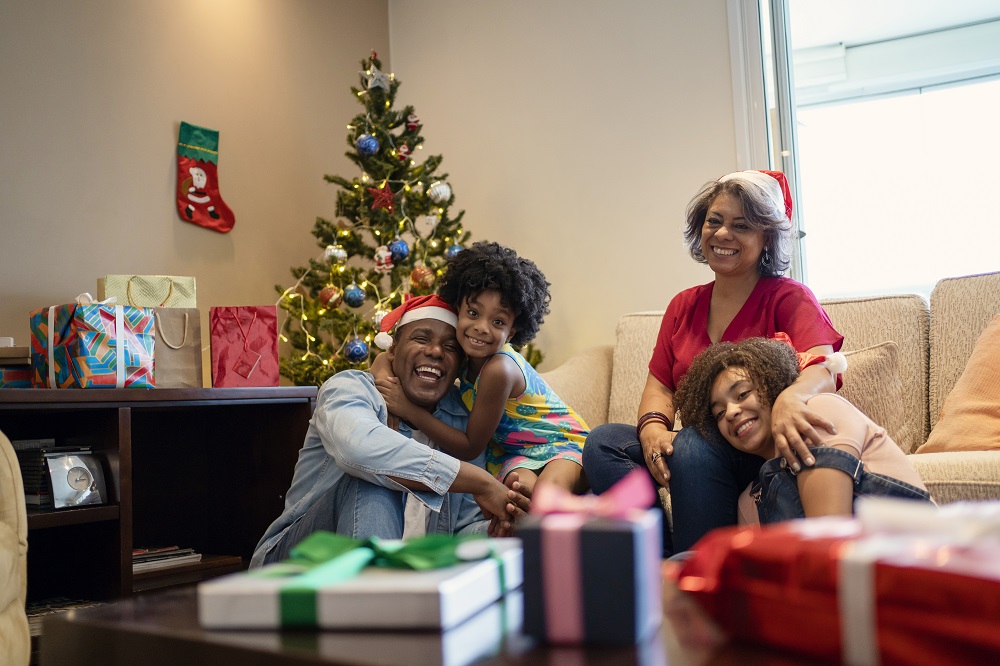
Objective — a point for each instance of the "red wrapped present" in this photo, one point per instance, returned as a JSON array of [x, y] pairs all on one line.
[[901, 583], [244, 343], [592, 565]]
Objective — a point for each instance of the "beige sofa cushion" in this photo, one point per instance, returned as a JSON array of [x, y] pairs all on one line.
[[959, 475], [584, 382], [635, 338], [872, 384], [972, 300], [970, 418], [905, 320]]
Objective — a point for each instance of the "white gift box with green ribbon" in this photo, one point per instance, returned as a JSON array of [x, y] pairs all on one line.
[[358, 589]]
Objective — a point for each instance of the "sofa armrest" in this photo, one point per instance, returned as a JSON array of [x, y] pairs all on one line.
[[956, 476], [584, 383]]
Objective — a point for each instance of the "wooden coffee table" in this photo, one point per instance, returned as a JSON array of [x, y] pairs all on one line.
[[161, 628]]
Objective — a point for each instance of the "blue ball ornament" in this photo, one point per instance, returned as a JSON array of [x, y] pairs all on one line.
[[453, 250], [354, 295], [367, 145], [355, 350], [399, 250]]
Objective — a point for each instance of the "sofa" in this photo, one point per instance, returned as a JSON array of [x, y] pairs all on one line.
[[904, 360], [15, 642]]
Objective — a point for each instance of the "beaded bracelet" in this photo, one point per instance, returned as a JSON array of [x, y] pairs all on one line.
[[652, 416]]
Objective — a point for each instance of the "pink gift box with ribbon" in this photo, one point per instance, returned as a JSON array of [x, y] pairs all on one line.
[[592, 565]]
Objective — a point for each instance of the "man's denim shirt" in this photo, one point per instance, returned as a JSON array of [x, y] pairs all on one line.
[[348, 435]]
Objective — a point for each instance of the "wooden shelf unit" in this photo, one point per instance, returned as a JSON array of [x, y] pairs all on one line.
[[199, 468]]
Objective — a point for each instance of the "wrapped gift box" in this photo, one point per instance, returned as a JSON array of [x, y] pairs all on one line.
[[377, 598], [92, 345], [477, 638], [16, 376], [591, 578], [901, 583]]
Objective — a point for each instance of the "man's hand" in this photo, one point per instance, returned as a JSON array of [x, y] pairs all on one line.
[[502, 506], [395, 399]]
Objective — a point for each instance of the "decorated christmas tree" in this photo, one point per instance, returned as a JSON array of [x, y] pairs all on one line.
[[393, 233]]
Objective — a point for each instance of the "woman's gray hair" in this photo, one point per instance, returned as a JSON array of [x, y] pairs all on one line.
[[761, 211]]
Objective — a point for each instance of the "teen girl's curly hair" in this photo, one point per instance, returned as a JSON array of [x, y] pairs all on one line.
[[522, 286], [770, 365]]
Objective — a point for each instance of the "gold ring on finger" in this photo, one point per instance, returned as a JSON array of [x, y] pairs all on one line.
[[656, 456]]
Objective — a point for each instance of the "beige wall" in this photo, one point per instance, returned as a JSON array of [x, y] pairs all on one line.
[[91, 97], [575, 131]]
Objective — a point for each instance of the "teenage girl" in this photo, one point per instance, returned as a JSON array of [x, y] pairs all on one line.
[[522, 424], [729, 391]]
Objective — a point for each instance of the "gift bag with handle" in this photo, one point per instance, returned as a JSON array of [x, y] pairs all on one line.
[[178, 348], [149, 291], [244, 341]]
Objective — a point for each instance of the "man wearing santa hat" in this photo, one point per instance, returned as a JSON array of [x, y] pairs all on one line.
[[356, 475]]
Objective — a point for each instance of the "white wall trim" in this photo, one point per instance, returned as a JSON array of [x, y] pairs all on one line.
[[749, 105]]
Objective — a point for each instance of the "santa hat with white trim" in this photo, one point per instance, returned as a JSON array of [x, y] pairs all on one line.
[[421, 307], [774, 184]]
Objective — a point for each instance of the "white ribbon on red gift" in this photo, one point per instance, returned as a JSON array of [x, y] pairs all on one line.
[[87, 299], [565, 515]]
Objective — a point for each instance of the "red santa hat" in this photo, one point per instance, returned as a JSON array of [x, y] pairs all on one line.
[[414, 309], [773, 183]]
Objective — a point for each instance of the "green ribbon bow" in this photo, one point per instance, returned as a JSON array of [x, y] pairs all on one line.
[[330, 558]]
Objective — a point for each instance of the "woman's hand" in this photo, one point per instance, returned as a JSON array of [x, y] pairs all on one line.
[[657, 443], [395, 399], [793, 424], [656, 438]]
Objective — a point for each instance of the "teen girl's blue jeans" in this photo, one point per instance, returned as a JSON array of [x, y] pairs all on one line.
[[706, 478], [777, 489]]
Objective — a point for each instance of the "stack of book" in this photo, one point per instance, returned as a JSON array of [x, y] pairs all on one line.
[[150, 559], [15, 366]]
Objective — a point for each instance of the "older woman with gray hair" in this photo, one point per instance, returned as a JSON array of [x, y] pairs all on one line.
[[740, 225]]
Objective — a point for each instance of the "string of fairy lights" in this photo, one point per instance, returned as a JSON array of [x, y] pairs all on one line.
[[389, 251]]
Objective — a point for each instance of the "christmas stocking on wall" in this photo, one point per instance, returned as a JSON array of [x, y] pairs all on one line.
[[198, 198]]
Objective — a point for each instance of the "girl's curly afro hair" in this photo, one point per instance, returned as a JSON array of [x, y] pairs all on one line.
[[771, 366], [522, 286]]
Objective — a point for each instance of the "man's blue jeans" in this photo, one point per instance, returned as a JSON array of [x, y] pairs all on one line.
[[706, 478]]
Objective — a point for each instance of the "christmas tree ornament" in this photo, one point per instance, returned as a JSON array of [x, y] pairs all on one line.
[[399, 249], [198, 198], [403, 152], [367, 145], [331, 296], [439, 192], [378, 316], [382, 197], [334, 253], [412, 122], [453, 250], [374, 78], [422, 276], [425, 224], [354, 295], [356, 350], [383, 259]]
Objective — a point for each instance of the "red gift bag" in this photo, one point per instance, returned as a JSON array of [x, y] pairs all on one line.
[[244, 341]]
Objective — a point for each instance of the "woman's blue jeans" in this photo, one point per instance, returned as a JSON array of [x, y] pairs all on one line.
[[706, 478]]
